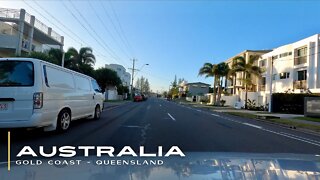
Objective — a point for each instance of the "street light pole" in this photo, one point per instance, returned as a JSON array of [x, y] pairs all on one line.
[[132, 75]]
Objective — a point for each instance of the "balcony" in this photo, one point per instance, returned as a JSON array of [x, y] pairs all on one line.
[[300, 60], [302, 84], [42, 34], [262, 87]]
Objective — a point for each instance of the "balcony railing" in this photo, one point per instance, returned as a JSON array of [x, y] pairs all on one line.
[[15, 14], [300, 60], [55, 36], [302, 84], [10, 13]]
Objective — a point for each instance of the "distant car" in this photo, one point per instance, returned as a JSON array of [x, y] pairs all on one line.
[[137, 98], [144, 97]]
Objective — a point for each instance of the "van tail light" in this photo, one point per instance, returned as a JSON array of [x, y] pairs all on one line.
[[37, 100]]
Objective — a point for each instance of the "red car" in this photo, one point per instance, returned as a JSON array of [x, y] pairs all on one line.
[[137, 98]]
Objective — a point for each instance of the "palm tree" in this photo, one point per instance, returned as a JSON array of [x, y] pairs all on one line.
[[223, 71], [211, 70], [81, 61], [248, 69], [56, 55]]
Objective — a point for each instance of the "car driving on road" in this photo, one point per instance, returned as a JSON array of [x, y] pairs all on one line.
[[35, 93]]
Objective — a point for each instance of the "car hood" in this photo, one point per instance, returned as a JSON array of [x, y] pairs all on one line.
[[192, 166]]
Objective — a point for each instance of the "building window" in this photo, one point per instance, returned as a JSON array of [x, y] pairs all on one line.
[[302, 52], [275, 57], [284, 75], [263, 81], [300, 56], [262, 63], [302, 75], [274, 76]]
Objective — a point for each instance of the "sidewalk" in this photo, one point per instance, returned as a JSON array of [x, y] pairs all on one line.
[[111, 104], [226, 109]]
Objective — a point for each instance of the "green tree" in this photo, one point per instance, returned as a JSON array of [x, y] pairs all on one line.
[[174, 83], [122, 89], [143, 85], [41, 55], [211, 70], [81, 61], [248, 69], [105, 76], [223, 71]]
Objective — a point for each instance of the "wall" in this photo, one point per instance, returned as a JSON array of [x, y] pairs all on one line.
[[230, 100]]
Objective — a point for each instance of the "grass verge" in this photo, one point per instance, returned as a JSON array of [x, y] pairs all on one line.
[[286, 122], [308, 119]]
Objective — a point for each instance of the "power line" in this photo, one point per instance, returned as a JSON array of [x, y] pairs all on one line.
[[50, 21], [115, 27], [83, 26], [58, 21], [107, 29], [121, 29], [110, 51], [15, 28]]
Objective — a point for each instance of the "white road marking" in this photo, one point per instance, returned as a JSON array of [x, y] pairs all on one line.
[[198, 110], [292, 137], [132, 126], [215, 115], [148, 107], [301, 137], [160, 105], [171, 117], [252, 125]]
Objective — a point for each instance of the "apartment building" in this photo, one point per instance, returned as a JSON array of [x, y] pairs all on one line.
[[292, 68], [235, 86], [21, 33], [121, 72]]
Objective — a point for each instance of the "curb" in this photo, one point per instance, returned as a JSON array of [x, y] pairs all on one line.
[[303, 130]]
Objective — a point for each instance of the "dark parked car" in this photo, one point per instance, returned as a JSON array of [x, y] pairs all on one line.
[[144, 97]]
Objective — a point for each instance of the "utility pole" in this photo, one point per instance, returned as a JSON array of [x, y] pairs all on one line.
[[271, 79], [62, 61], [132, 75]]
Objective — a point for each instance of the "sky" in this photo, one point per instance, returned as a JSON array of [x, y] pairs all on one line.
[[174, 37]]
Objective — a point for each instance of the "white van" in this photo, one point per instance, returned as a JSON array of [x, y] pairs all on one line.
[[35, 93]]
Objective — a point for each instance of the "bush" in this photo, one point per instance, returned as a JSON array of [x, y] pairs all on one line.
[[222, 102], [289, 103]]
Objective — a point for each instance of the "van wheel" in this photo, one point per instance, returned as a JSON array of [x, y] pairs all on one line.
[[64, 120], [97, 112]]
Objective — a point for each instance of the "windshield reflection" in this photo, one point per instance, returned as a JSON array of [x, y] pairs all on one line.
[[194, 166]]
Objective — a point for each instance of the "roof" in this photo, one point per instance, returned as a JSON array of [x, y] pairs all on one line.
[[245, 51], [198, 83]]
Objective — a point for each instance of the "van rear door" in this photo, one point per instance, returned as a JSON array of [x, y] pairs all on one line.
[[17, 80]]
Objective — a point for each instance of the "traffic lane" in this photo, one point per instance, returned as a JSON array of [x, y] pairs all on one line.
[[78, 134], [133, 132], [272, 127], [212, 133]]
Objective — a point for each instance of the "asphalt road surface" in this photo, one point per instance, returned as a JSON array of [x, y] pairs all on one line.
[[157, 122]]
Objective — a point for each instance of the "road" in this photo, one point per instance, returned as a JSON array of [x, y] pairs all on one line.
[[157, 122]]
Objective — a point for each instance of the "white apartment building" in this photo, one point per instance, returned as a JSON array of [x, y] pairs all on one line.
[[121, 72], [293, 68], [21, 33]]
